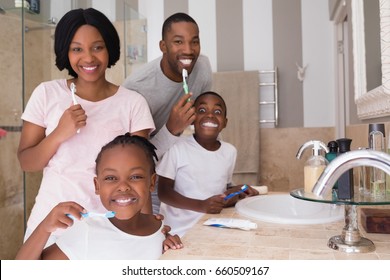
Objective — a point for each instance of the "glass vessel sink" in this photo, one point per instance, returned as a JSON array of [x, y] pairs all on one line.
[[285, 209], [350, 240]]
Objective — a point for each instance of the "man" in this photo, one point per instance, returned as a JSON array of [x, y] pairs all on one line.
[[161, 82]]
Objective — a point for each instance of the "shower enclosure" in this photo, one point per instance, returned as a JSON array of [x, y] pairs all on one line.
[[27, 59]]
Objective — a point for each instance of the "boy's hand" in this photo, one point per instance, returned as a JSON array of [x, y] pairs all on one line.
[[172, 242], [166, 229], [213, 205], [250, 192], [57, 218]]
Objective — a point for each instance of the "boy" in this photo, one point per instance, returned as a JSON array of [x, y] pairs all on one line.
[[195, 174]]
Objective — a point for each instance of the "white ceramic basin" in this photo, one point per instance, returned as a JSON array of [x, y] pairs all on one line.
[[285, 209]]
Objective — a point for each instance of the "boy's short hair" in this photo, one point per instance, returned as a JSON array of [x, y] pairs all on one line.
[[178, 17], [71, 22], [215, 94]]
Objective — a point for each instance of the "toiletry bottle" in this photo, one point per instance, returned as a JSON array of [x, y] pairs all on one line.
[[387, 175], [345, 183], [315, 165], [333, 151], [376, 141]]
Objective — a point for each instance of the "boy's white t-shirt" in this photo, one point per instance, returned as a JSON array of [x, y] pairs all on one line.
[[198, 173], [70, 172], [96, 238]]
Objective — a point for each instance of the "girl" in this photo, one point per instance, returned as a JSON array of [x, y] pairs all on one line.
[[125, 176]]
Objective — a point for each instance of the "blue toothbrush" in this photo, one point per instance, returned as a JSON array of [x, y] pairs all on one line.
[[109, 214], [243, 188]]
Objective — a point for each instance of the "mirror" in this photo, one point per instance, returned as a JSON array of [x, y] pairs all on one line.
[[376, 102]]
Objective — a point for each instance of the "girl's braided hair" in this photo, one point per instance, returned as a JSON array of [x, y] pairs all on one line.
[[128, 139]]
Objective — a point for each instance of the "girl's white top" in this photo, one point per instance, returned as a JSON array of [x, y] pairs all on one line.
[[97, 238]]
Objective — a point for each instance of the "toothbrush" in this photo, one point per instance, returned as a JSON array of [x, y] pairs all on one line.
[[73, 90], [243, 188], [185, 85], [109, 214]]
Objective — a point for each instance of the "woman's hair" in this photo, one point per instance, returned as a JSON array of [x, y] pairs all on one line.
[[127, 140], [71, 22], [178, 17]]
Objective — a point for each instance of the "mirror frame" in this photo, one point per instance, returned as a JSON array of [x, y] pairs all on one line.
[[375, 103]]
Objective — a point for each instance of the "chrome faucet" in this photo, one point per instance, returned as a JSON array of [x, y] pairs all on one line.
[[347, 161]]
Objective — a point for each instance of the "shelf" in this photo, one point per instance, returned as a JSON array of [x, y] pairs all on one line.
[[350, 240], [358, 199]]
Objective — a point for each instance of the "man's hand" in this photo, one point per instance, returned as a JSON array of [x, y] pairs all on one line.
[[182, 115]]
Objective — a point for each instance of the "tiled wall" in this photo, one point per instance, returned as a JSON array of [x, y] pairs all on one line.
[[279, 169]]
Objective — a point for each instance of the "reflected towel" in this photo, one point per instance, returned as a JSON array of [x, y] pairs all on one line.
[[240, 89]]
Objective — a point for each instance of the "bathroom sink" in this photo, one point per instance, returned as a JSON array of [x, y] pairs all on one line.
[[285, 209]]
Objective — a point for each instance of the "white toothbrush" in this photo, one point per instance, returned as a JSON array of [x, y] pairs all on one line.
[[73, 90], [185, 85], [109, 214]]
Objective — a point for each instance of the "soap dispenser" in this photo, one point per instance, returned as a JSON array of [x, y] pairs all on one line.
[[314, 165]]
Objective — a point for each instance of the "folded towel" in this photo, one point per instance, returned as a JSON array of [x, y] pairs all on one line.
[[3, 133], [21, 3]]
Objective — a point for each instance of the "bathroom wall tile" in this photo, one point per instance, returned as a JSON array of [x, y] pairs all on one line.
[[11, 197], [12, 230], [279, 168]]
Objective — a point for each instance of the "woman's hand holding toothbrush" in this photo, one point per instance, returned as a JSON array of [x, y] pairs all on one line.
[[71, 120]]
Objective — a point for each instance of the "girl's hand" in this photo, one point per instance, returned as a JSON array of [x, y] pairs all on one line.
[[57, 218], [172, 242]]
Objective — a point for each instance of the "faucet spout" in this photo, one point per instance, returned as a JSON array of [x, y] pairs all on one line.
[[347, 161]]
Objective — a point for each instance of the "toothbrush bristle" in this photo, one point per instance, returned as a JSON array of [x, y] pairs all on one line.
[[185, 73]]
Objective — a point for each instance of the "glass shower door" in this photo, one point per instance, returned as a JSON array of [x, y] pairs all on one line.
[[27, 59]]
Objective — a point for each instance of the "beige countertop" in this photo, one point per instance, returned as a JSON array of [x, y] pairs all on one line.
[[270, 242]]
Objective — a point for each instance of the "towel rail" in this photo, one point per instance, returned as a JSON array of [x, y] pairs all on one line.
[[274, 102]]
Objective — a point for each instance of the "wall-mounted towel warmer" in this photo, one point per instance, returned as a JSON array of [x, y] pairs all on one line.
[[269, 78]]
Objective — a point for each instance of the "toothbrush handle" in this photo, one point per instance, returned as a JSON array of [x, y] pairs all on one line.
[[232, 194]]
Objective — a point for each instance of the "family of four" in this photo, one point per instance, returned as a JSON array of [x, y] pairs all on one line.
[[112, 146]]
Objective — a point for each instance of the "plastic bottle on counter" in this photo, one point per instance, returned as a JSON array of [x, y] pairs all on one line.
[[315, 165], [345, 182], [333, 151]]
